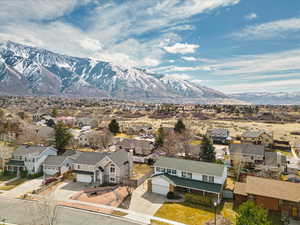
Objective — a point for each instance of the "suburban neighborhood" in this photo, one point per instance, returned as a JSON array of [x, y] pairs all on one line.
[[146, 173]]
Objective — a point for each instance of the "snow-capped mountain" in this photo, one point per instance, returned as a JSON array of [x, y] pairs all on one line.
[[26, 70], [271, 98]]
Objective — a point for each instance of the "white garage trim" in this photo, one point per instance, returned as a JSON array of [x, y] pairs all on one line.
[[84, 178]]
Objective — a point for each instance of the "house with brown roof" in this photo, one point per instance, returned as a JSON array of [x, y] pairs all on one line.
[[257, 137], [274, 195]]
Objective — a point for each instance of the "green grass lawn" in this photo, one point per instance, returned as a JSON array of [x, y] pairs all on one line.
[[6, 177], [192, 214], [13, 184]]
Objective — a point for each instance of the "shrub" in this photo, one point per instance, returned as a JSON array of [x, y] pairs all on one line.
[[198, 199], [171, 195]]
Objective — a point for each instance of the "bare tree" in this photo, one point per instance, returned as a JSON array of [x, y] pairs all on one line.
[[5, 153], [100, 139], [43, 212]]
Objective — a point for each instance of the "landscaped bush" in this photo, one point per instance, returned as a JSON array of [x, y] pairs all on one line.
[[171, 195], [198, 199]]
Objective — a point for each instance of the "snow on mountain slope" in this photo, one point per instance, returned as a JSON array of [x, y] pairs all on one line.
[[42, 72]]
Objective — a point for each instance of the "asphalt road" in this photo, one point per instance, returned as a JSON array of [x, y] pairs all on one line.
[[30, 213]]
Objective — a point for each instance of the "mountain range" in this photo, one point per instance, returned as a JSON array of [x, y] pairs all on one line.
[[26, 70]]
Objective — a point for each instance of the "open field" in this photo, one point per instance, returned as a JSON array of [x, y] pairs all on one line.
[[236, 128]]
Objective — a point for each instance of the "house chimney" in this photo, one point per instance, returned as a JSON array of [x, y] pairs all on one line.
[[130, 160]]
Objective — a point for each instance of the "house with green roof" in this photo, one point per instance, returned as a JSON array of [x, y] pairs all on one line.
[[174, 174]]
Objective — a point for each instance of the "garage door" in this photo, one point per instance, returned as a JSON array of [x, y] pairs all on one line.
[[83, 178], [163, 190]]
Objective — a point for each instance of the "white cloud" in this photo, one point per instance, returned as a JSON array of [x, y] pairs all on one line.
[[274, 29], [251, 16], [179, 76], [261, 86], [16, 10], [110, 26], [181, 48], [91, 44], [259, 64], [189, 58]]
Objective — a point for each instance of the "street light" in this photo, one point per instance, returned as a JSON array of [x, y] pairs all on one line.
[[215, 202]]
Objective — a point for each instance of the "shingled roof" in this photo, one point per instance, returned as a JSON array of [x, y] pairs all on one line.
[[269, 188], [249, 149], [212, 169]]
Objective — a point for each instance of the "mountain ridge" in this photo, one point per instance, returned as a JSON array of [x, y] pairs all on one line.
[[26, 70]]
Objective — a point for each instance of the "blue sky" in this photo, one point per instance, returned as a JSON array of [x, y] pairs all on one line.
[[229, 45]]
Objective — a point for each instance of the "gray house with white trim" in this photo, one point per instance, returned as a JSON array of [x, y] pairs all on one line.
[[102, 167]]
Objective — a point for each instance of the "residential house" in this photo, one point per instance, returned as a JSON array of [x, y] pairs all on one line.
[[103, 167], [8, 136], [248, 154], [140, 147], [274, 195], [86, 121], [219, 136], [67, 120], [276, 160], [140, 130], [60, 164], [174, 174], [257, 137], [29, 158]]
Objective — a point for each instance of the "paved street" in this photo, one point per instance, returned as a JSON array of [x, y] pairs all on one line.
[[28, 213]]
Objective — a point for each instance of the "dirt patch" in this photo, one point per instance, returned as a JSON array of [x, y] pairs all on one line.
[[112, 198]]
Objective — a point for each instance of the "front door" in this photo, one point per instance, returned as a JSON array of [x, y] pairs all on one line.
[[99, 177]]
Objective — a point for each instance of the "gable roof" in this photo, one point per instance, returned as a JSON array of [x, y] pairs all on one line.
[[218, 132], [200, 167], [35, 150], [90, 158], [269, 188], [247, 149], [253, 134], [119, 157], [53, 160]]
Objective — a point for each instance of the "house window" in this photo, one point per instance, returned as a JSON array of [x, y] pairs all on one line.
[[169, 170], [174, 172], [186, 174], [157, 169], [211, 179], [78, 166], [112, 179], [163, 170], [112, 168], [205, 178]]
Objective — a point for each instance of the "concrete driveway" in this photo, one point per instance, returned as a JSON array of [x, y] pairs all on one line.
[[67, 189], [24, 188], [145, 202]]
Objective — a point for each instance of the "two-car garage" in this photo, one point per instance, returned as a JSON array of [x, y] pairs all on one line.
[[84, 178]]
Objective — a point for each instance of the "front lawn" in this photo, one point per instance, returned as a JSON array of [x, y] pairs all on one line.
[[140, 170], [189, 213], [13, 184], [6, 177]]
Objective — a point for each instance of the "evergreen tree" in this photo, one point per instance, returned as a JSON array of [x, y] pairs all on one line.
[[50, 123], [159, 138], [179, 126], [208, 153], [251, 214], [54, 113], [114, 127], [62, 137]]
